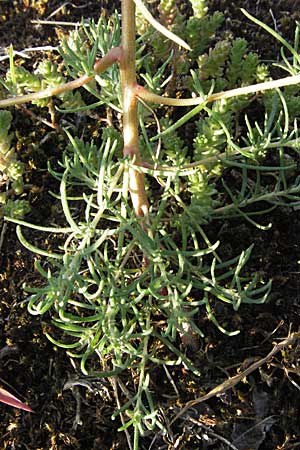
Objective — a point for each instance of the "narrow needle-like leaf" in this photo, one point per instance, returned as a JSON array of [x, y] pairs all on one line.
[[159, 27], [9, 399]]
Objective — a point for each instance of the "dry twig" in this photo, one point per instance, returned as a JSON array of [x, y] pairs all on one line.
[[233, 381]]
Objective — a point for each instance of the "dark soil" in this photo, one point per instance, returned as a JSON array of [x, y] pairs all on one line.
[[262, 412]]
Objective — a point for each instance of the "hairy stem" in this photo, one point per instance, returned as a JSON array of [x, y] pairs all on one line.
[[129, 100]]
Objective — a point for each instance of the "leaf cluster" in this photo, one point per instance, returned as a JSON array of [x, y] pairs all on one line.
[[11, 171], [105, 300]]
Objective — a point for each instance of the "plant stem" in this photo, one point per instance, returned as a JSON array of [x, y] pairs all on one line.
[[158, 99], [271, 197], [100, 66], [129, 100], [206, 162]]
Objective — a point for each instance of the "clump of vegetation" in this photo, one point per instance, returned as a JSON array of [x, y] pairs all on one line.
[[137, 271], [11, 170]]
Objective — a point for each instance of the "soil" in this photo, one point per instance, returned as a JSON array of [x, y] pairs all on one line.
[[262, 411]]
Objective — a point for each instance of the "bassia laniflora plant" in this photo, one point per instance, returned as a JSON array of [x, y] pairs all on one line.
[[136, 271]]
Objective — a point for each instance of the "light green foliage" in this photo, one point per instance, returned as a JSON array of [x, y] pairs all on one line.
[[167, 7], [211, 137], [173, 146], [154, 79], [122, 292], [7, 153], [11, 171], [142, 25], [103, 303], [15, 174], [45, 76], [200, 8], [24, 82], [209, 142], [80, 51], [199, 31], [201, 203], [237, 54], [170, 16], [24, 79], [9, 166], [292, 98], [51, 76], [16, 209], [262, 73], [230, 65], [242, 68], [212, 65]]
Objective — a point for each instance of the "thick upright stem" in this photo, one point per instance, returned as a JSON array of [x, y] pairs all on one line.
[[129, 100]]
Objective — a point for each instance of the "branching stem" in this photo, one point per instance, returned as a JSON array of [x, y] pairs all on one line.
[[148, 96], [100, 66], [131, 92]]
